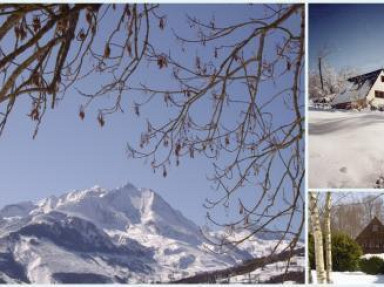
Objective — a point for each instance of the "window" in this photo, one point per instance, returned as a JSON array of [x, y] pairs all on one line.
[[375, 228], [379, 94], [382, 78]]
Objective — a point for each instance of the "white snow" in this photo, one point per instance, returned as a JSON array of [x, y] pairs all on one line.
[[368, 255], [120, 216], [270, 271], [345, 149], [352, 278]]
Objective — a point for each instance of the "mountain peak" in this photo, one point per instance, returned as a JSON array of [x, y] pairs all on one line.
[[117, 235]]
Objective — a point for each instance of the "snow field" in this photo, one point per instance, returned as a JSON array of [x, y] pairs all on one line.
[[345, 149]]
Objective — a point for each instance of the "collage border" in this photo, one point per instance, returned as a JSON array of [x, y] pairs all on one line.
[[307, 188], [306, 102]]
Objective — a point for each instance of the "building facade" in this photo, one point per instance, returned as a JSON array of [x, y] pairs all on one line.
[[371, 239], [362, 91]]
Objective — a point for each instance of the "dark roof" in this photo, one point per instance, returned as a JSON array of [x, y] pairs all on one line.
[[357, 88], [367, 231], [371, 76]]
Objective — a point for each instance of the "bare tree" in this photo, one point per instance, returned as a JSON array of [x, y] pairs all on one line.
[[330, 83], [348, 218], [351, 215], [373, 207], [251, 88], [324, 52], [46, 49], [256, 141]]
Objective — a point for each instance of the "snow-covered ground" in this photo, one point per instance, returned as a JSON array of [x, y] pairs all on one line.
[[346, 149], [263, 274], [352, 278]]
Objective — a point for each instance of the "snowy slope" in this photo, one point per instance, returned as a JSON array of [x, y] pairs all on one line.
[[346, 149], [99, 236]]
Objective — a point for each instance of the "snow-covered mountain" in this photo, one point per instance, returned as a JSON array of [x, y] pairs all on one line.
[[106, 236]]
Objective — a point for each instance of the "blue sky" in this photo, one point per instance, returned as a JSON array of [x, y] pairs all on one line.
[[352, 33], [72, 154]]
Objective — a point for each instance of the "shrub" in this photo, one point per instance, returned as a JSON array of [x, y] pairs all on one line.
[[311, 252], [346, 253], [373, 265]]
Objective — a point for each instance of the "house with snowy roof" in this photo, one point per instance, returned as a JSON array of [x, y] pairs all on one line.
[[362, 91]]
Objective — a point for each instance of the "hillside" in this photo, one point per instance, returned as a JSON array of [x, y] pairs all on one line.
[[125, 235]]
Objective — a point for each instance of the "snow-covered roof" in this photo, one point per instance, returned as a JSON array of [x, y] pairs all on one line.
[[357, 88], [353, 92], [371, 76]]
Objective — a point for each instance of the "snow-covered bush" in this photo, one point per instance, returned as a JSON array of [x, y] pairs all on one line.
[[373, 265], [373, 107], [376, 107]]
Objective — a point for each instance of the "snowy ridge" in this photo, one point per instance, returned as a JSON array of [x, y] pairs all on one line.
[[124, 235]]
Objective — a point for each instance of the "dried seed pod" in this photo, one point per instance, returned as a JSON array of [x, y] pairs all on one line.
[[166, 141], [88, 17], [227, 140], [162, 62], [82, 36], [34, 115], [241, 208], [129, 49], [36, 24], [167, 98], [17, 32], [82, 113], [137, 110], [23, 33], [101, 120], [198, 63], [178, 149], [162, 23], [36, 79], [107, 51]]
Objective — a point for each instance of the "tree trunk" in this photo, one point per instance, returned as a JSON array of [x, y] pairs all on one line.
[[327, 235], [318, 238], [321, 74]]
